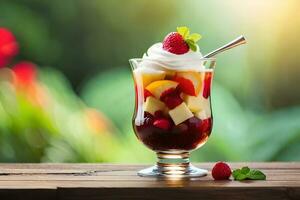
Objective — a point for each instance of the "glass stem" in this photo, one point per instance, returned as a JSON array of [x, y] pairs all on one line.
[[177, 163]]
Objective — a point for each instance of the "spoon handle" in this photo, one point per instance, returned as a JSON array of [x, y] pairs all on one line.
[[238, 41]]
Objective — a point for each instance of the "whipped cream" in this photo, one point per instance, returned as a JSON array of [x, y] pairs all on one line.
[[157, 55]]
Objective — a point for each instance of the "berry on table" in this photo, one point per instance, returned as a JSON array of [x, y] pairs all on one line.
[[221, 171]]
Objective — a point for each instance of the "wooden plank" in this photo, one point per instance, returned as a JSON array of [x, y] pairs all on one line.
[[33, 194], [179, 194], [119, 169], [279, 175], [112, 181], [50, 184]]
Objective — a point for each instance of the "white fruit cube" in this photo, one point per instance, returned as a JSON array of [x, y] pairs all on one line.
[[180, 113], [203, 114], [152, 105], [196, 104]]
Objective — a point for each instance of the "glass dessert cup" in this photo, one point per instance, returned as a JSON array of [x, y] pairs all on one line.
[[172, 114]]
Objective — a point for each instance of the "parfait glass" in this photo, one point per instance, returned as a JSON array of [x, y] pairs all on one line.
[[172, 114]]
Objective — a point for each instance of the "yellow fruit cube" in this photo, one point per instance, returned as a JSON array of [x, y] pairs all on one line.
[[180, 113], [195, 104], [194, 78], [149, 75], [152, 105], [158, 87]]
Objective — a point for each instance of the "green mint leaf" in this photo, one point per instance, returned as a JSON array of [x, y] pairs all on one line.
[[195, 37], [245, 170], [236, 172], [238, 175], [247, 173], [190, 39], [241, 174], [192, 45], [184, 31], [256, 175]]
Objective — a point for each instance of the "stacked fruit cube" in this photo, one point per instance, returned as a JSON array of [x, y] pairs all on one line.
[[172, 97]]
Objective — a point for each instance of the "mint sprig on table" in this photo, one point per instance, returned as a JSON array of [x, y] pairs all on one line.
[[247, 173], [190, 39]]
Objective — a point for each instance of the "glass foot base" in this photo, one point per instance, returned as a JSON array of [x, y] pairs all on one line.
[[173, 171], [173, 164]]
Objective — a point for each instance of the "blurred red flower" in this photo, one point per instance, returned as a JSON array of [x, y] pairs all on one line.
[[25, 72], [25, 81], [8, 46]]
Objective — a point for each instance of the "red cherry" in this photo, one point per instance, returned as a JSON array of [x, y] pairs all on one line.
[[162, 124], [174, 43], [221, 171], [185, 85], [207, 84]]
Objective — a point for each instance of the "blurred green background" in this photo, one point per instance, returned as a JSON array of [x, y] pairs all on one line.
[[79, 106]]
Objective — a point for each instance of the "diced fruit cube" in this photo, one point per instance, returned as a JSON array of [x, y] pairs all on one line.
[[189, 82], [195, 104], [162, 123], [207, 84], [148, 75], [152, 105], [158, 87], [205, 112], [185, 85], [180, 113], [147, 94]]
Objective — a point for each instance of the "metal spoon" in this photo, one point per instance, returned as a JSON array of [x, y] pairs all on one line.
[[236, 42]]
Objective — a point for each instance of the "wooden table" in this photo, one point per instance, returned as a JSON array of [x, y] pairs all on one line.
[[107, 181]]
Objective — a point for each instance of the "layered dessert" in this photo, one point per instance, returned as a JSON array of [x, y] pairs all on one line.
[[173, 111]]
